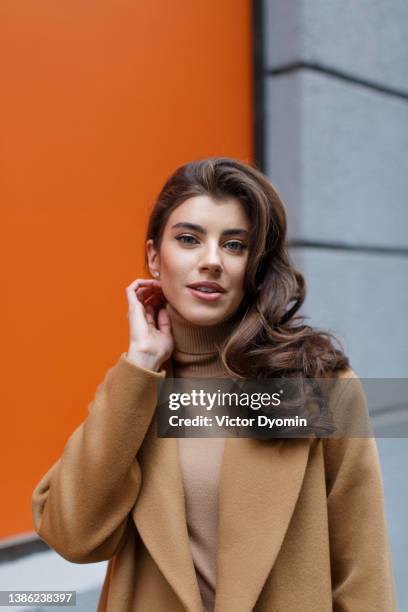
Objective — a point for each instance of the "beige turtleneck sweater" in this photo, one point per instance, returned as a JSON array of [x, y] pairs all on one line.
[[196, 355]]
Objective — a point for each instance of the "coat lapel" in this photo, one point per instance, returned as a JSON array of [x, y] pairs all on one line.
[[259, 485], [260, 482], [160, 517]]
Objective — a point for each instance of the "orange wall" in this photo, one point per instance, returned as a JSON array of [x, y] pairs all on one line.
[[100, 101]]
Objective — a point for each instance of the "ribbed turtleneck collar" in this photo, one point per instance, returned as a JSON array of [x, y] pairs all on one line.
[[198, 339], [196, 352]]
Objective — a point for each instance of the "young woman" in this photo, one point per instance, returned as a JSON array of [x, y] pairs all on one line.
[[225, 524]]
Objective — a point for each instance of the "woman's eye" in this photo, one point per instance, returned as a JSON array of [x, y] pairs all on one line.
[[186, 236], [233, 245], [241, 246]]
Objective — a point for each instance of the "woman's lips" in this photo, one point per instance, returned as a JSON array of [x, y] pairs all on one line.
[[209, 297]]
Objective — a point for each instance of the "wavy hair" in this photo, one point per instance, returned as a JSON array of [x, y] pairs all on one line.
[[269, 340]]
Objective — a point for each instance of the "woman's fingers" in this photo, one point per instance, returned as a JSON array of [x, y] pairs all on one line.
[[150, 295], [144, 293], [143, 282], [153, 306], [163, 321], [150, 315], [146, 297], [149, 322], [139, 288], [144, 290]]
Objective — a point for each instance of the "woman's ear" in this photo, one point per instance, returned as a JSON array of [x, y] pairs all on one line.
[[153, 257]]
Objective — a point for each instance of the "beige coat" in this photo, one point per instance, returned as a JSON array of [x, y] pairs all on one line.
[[301, 523]]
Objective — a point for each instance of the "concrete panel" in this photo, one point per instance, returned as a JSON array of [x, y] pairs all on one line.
[[338, 154], [363, 299], [283, 149], [393, 456], [366, 39]]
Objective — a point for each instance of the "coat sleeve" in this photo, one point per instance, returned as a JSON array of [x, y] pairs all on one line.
[[81, 505], [361, 564]]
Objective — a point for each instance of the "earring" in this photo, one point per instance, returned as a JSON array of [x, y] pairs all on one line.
[[157, 274]]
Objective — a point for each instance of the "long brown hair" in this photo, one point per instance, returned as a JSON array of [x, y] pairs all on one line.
[[269, 339]]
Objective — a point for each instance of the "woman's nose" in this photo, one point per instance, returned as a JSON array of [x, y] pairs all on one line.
[[214, 268], [211, 261]]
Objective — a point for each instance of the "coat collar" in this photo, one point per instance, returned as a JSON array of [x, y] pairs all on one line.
[[259, 485]]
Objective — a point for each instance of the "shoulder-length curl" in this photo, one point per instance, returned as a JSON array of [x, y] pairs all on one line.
[[269, 340]]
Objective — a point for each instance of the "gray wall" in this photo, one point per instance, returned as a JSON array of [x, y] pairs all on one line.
[[336, 130], [333, 78]]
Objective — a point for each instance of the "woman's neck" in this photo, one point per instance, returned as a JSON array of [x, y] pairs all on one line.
[[197, 347]]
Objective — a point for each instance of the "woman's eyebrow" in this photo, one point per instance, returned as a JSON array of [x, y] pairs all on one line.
[[202, 230]]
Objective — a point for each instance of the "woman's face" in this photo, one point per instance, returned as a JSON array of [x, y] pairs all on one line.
[[203, 240]]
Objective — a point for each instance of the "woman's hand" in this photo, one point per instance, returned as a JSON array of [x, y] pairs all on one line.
[[151, 342]]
